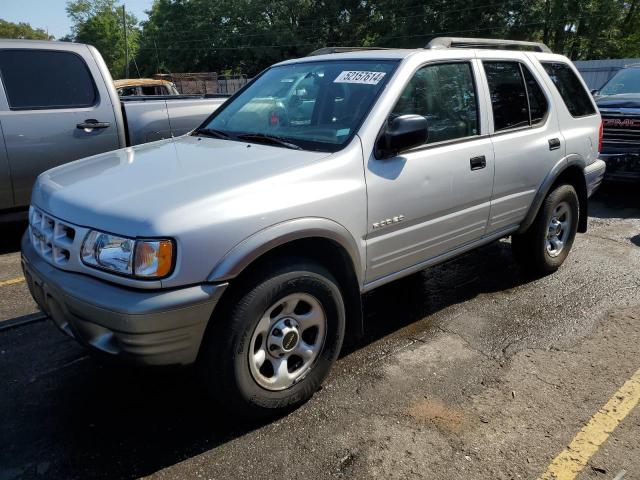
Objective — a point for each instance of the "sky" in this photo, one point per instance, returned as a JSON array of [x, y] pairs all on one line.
[[51, 14]]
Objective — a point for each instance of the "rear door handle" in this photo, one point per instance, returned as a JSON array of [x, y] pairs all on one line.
[[478, 163], [92, 123], [554, 144]]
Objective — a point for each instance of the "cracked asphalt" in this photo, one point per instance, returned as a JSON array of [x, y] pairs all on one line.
[[468, 370]]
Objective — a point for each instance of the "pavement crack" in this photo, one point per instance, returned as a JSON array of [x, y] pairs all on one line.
[[551, 384], [466, 342]]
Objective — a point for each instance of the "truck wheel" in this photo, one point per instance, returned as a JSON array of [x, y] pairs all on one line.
[[270, 350], [545, 245]]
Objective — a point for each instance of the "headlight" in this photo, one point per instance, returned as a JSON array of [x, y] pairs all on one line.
[[125, 256]]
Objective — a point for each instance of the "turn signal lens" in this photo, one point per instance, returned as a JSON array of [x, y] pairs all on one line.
[[154, 258]]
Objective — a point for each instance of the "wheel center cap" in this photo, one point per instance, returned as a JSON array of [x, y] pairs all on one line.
[[284, 337], [290, 341]]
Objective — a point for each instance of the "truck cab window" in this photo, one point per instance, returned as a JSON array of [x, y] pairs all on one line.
[[41, 79], [445, 95]]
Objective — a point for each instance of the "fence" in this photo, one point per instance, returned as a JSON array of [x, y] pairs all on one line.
[[597, 72], [203, 83]]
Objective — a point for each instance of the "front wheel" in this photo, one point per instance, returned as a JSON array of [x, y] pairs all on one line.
[[270, 350], [545, 245]]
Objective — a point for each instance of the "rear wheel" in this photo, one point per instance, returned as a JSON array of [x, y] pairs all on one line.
[[270, 350], [547, 242]]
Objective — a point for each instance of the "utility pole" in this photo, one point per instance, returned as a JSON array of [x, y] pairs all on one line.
[[126, 43]]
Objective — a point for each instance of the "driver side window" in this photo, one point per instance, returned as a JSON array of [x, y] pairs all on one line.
[[445, 95]]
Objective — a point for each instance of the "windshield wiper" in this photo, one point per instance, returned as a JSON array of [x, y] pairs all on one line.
[[273, 140], [212, 132]]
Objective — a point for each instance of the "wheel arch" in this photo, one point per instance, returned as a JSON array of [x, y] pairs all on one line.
[[569, 170], [317, 239]]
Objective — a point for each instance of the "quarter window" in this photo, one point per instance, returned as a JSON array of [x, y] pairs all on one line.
[[444, 94], [38, 79], [573, 93]]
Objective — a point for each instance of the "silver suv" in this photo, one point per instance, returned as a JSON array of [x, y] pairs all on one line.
[[245, 245]]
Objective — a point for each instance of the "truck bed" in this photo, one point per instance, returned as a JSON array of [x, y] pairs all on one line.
[[151, 118]]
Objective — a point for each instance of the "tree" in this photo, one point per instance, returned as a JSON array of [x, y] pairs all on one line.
[[249, 35], [99, 23], [22, 30]]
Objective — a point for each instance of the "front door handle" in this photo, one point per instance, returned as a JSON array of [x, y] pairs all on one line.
[[92, 123], [478, 163], [554, 144]]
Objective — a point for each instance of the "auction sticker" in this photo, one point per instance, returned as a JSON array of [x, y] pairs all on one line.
[[357, 76]]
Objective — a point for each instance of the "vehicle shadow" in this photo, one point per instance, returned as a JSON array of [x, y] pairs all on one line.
[[86, 419], [11, 235], [71, 416], [616, 200]]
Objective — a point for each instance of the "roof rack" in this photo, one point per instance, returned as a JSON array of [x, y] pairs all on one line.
[[460, 42], [327, 50]]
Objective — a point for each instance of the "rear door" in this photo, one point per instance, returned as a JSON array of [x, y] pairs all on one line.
[[55, 112], [525, 137]]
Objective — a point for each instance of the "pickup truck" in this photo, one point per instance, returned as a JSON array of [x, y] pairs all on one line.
[[619, 104], [58, 103], [130, 87], [245, 246]]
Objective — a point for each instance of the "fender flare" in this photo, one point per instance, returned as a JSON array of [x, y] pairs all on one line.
[[563, 164], [261, 242]]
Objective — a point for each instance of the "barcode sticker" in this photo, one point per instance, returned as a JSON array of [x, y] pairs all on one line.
[[355, 76]]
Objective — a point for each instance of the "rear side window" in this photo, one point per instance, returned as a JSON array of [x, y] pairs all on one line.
[[516, 97], [573, 93], [445, 95], [39, 79], [538, 104], [508, 95]]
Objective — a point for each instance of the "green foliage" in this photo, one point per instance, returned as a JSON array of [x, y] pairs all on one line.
[[99, 23], [248, 35], [22, 30]]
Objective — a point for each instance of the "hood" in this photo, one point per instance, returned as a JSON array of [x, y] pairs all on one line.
[[129, 191], [623, 100]]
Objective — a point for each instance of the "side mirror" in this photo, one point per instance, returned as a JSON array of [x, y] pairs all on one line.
[[401, 133], [595, 92]]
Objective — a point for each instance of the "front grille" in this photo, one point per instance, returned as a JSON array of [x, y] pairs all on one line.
[[52, 238], [621, 130]]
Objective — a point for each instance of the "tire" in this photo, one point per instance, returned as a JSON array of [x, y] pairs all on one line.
[[543, 248], [289, 299]]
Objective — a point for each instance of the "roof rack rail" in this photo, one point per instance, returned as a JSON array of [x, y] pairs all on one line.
[[327, 50], [461, 42]]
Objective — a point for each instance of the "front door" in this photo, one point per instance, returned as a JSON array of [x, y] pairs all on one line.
[[434, 198], [52, 104]]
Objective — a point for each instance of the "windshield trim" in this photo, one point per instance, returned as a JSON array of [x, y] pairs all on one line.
[[307, 144]]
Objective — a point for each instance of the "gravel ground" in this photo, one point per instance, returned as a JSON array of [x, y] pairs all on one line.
[[468, 370]]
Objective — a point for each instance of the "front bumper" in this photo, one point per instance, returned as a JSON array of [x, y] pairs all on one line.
[[622, 167], [162, 327], [593, 175]]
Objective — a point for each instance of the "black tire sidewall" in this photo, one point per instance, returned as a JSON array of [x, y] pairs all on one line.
[[563, 193], [239, 384]]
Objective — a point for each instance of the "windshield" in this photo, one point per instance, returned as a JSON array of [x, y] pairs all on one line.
[[313, 105], [625, 81]]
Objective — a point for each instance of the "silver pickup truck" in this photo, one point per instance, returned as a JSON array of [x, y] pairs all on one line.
[[58, 104], [245, 245]]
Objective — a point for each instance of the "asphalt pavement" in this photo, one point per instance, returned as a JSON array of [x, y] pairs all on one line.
[[468, 370]]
